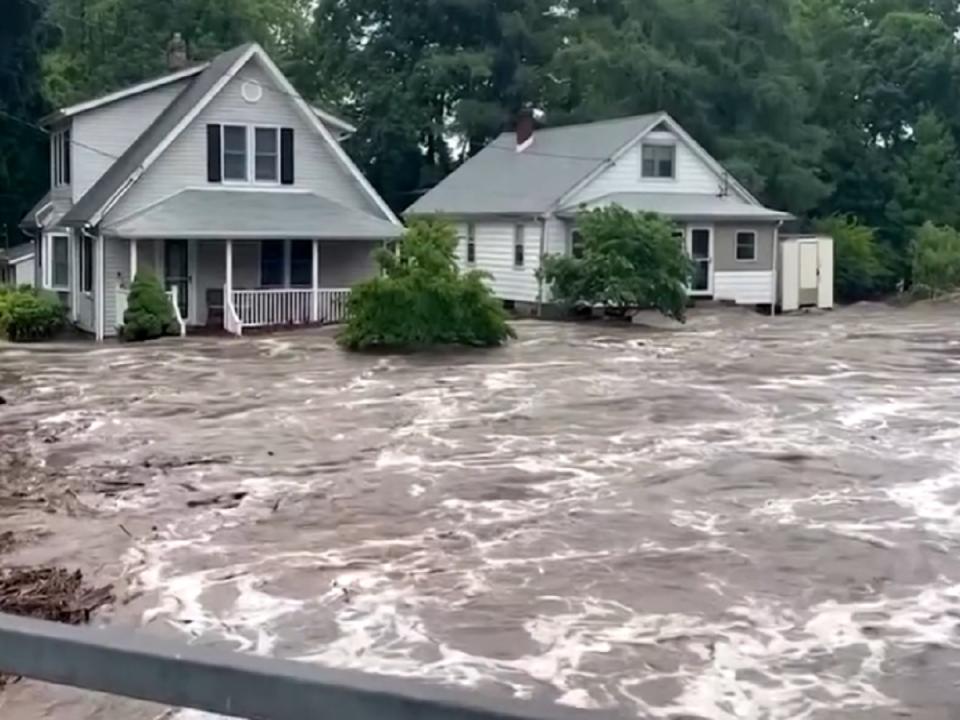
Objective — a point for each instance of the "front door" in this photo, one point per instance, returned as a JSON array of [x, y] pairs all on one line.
[[176, 263], [809, 273], [700, 247]]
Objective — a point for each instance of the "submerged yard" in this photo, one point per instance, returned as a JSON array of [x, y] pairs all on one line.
[[746, 518]]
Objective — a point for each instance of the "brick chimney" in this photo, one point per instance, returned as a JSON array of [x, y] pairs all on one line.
[[524, 128], [176, 53]]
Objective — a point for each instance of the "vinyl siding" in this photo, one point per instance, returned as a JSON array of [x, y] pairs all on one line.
[[112, 129], [85, 312], [725, 247], [24, 273], [116, 261], [184, 163], [744, 288], [211, 272], [343, 264], [692, 175], [494, 255]]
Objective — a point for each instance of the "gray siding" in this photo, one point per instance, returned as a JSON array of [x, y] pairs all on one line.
[[725, 244], [112, 129], [184, 163], [211, 272], [344, 263], [116, 261]]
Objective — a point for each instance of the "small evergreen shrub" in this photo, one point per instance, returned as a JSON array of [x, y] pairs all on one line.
[[936, 260], [27, 314], [149, 314], [421, 299]]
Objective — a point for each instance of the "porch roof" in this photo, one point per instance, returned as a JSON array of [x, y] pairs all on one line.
[[250, 214], [685, 206]]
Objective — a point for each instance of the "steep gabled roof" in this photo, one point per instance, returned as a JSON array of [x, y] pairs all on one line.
[[499, 179]]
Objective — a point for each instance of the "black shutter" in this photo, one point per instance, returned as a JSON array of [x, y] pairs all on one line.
[[286, 156], [214, 172], [67, 147]]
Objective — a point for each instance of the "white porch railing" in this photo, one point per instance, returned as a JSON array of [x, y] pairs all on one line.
[[121, 299], [172, 293], [283, 306]]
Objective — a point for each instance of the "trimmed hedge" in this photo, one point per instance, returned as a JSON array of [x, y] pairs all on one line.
[[27, 314]]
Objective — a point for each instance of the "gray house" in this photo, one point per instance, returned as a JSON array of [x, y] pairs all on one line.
[[220, 179], [517, 199]]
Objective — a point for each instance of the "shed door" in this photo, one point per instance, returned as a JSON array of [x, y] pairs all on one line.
[[809, 273]]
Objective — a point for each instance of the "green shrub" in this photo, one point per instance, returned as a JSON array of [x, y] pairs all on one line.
[[421, 299], [27, 314], [149, 313], [936, 260], [859, 260], [629, 260]]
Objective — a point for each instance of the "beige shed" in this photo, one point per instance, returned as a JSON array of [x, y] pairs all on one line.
[[806, 272]]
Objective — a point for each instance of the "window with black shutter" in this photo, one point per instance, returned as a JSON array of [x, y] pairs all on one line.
[[286, 156], [214, 172]]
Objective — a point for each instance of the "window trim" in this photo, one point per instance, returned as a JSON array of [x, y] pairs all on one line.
[[223, 154], [519, 243], [673, 162], [253, 153], [470, 253], [736, 246], [50, 270]]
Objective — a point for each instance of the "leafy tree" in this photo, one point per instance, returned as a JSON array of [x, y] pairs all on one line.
[[629, 260], [936, 260], [859, 271], [149, 314], [421, 299]]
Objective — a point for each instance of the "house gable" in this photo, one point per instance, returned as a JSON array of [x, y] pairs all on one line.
[[320, 165]]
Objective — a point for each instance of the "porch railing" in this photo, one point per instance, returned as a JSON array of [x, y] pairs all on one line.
[[121, 299], [173, 294], [284, 306]]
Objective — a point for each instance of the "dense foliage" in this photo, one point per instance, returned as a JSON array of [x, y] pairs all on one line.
[[936, 260], [859, 268], [149, 314], [27, 314], [421, 299], [629, 260], [821, 107]]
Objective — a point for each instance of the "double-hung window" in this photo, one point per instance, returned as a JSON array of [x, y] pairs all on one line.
[[471, 243], [266, 154], [60, 158], [86, 264], [59, 262], [518, 239], [659, 161], [746, 245], [235, 153]]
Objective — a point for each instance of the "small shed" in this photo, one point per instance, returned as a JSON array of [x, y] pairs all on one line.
[[17, 265], [806, 272]]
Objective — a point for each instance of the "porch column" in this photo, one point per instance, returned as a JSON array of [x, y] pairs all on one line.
[[133, 258], [315, 281], [228, 275]]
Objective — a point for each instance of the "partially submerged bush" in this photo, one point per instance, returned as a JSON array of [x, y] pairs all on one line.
[[149, 313], [629, 260], [936, 260], [28, 314], [421, 299]]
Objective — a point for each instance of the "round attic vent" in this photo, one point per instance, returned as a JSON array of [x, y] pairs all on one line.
[[251, 91]]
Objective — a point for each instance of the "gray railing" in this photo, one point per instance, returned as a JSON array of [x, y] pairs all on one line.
[[131, 664]]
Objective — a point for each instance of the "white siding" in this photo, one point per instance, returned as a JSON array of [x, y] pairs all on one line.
[[692, 175], [184, 163], [557, 237], [343, 264], [494, 255], [85, 312], [24, 272], [744, 288], [116, 261], [825, 277], [112, 129]]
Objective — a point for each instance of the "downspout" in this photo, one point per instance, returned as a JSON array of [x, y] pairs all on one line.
[[543, 250], [776, 281]]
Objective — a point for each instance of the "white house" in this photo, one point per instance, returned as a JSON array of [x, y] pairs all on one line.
[[220, 179], [516, 201], [17, 265]]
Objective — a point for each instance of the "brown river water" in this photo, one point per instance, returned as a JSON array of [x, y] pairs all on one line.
[[744, 518]]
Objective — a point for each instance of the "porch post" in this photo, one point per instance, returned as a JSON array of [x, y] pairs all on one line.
[[133, 258], [229, 272], [315, 281]]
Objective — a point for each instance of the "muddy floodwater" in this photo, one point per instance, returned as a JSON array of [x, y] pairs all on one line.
[[745, 518]]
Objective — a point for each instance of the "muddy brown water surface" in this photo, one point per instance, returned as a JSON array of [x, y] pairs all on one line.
[[745, 518]]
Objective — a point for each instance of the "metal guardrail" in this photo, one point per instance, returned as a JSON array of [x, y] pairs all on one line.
[[128, 663]]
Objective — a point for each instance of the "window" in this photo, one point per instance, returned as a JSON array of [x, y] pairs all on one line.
[[301, 263], [266, 162], [658, 161], [678, 234], [234, 152], [746, 245], [576, 244], [471, 243], [518, 238], [60, 158], [60, 265], [86, 264], [271, 263]]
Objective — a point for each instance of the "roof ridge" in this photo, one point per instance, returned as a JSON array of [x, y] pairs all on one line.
[[604, 121]]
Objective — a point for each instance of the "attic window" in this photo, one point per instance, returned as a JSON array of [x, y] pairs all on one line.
[[659, 161], [251, 91]]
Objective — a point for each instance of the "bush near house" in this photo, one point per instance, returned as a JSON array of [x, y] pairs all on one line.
[[421, 299], [149, 314], [629, 260], [860, 270], [936, 260], [27, 314]]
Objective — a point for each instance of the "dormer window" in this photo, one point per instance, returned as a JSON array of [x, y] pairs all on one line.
[[60, 158], [249, 154], [659, 161]]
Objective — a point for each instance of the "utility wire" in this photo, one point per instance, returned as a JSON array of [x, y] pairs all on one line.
[[40, 128]]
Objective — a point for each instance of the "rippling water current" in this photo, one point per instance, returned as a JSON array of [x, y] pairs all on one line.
[[747, 518]]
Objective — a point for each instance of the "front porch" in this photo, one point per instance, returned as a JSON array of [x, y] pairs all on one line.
[[239, 284]]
